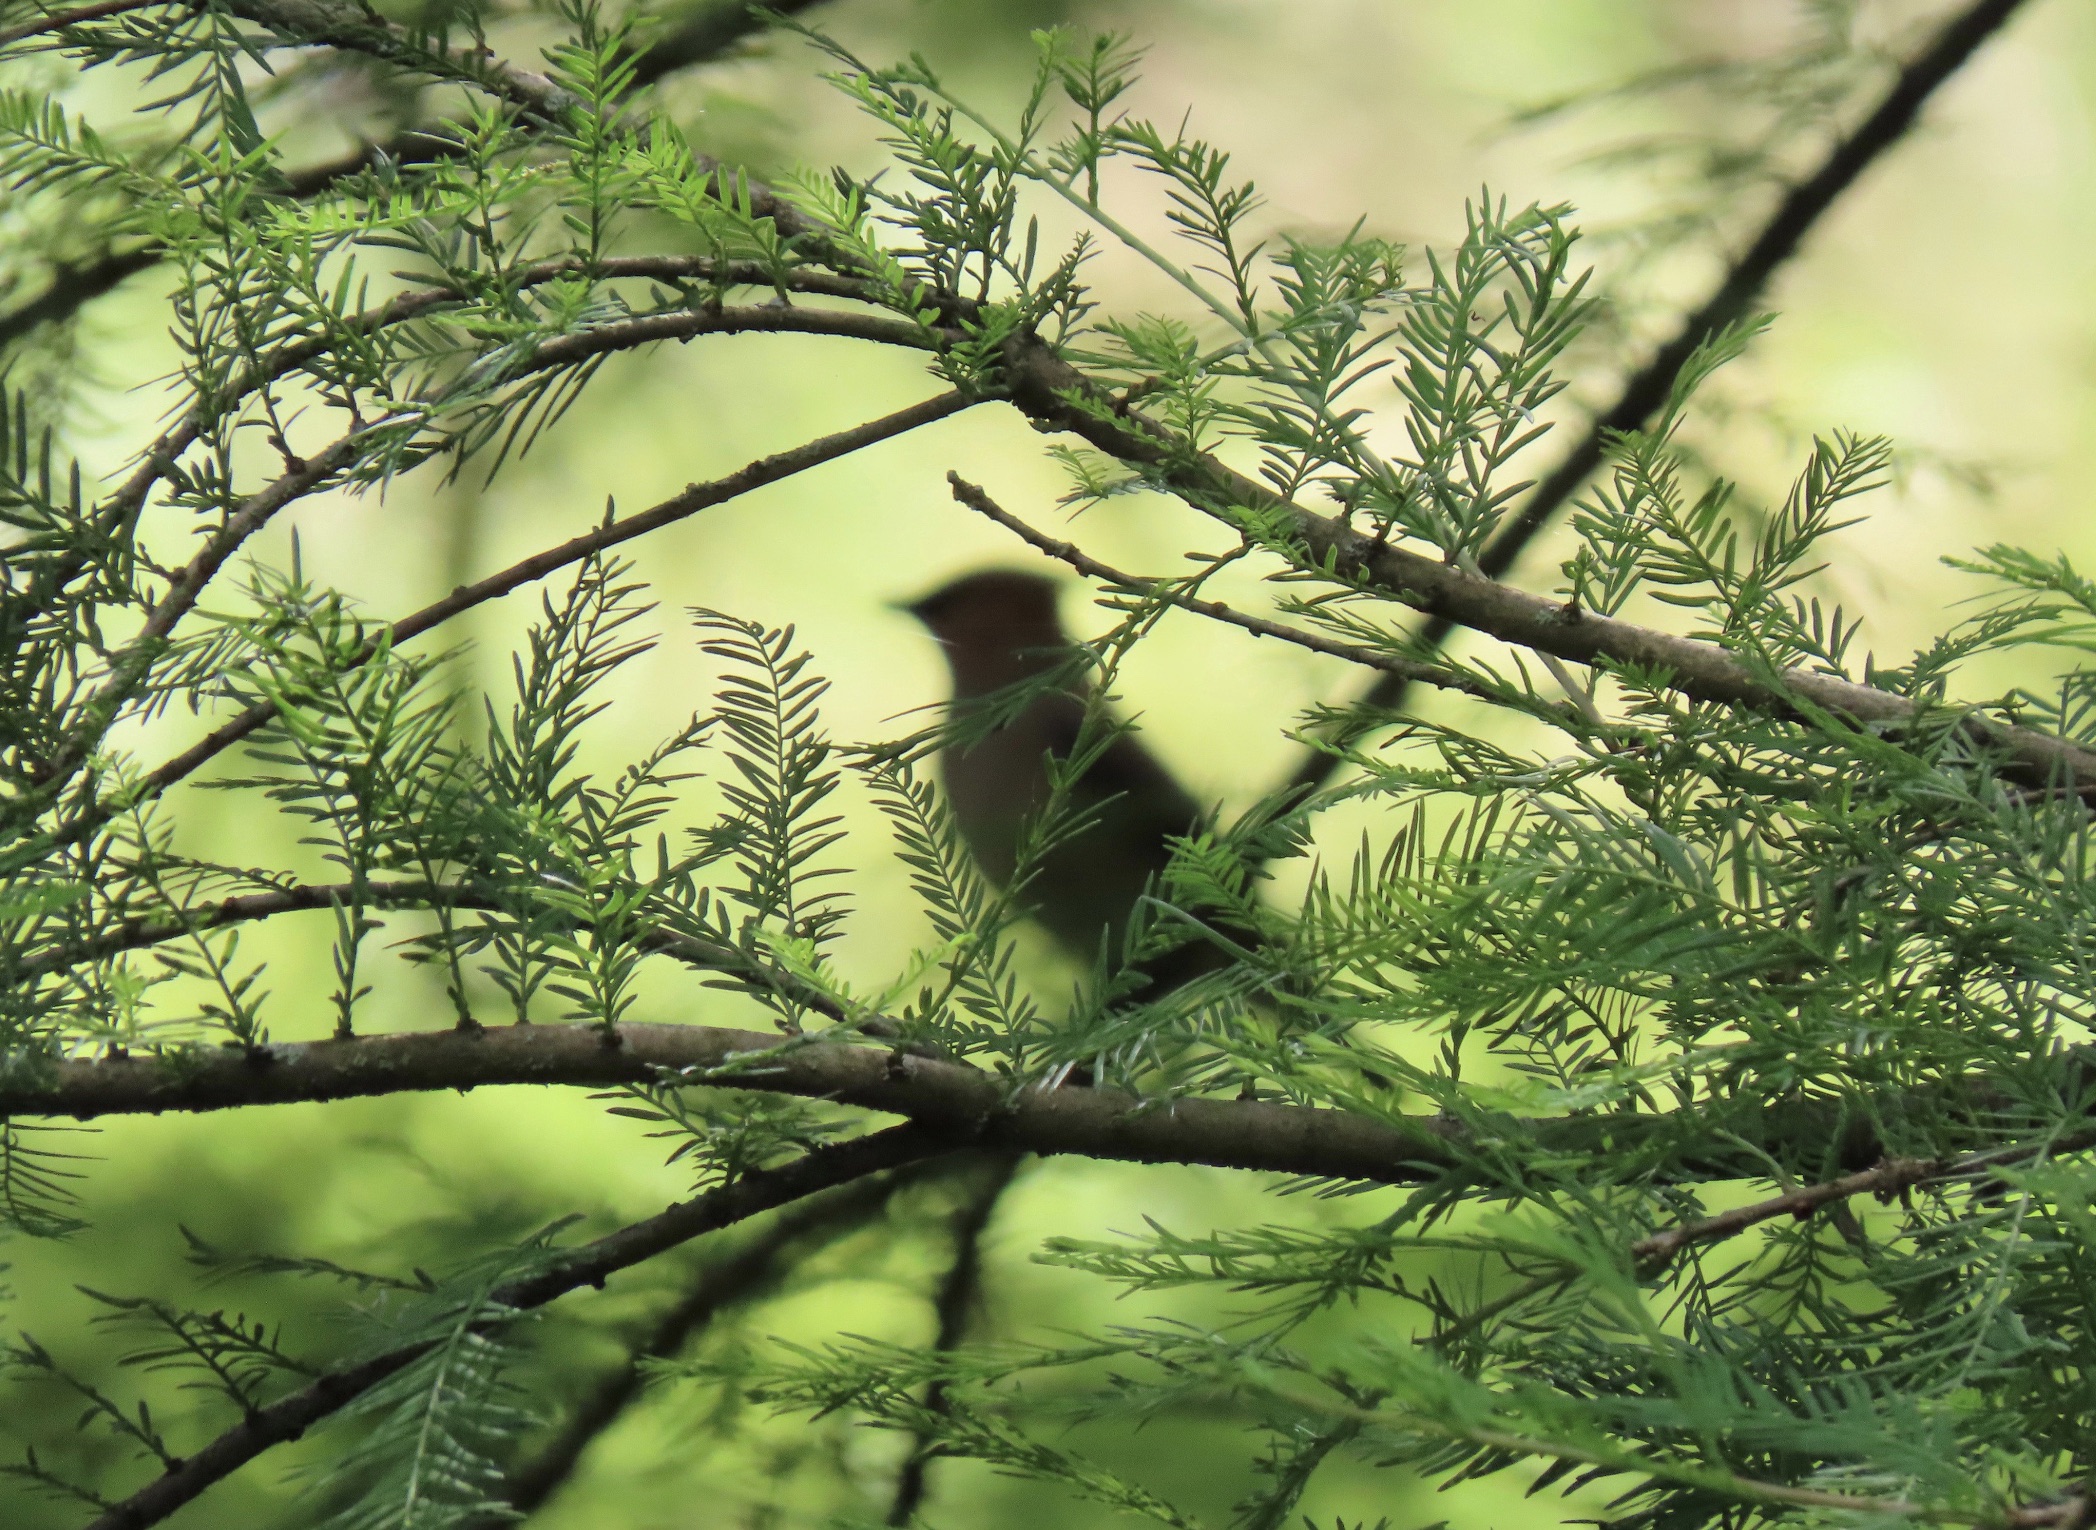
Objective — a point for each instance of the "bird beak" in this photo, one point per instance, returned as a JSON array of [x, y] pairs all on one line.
[[917, 609]]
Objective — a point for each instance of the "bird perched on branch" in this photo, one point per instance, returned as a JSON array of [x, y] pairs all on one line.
[[999, 628]]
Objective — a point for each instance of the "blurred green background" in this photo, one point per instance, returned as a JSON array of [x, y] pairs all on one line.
[[1946, 302]]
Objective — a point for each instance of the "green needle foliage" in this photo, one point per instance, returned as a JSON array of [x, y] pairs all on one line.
[[1685, 1032]]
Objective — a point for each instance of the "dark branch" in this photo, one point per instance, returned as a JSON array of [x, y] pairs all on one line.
[[708, 33], [748, 1272], [1056, 395], [954, 1306], [131, 667], [1159, 589], [1892, 1177], [966, 1105], [291, 1417], [1642, 396]]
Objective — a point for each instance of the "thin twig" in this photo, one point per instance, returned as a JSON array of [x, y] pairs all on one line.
[[130, 668], [1778, 241], [1885, 1180], [755, 974], [1158, 589], [746, 1197]]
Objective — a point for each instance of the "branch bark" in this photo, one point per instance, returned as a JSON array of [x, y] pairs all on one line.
[[966, 1106], [1436, 675]]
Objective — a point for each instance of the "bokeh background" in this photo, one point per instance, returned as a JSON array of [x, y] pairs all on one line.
[[1947, 302]]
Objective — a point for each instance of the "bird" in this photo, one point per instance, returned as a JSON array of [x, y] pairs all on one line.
[[999, 628]]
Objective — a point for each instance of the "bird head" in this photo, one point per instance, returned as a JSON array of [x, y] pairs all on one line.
[[996, 626]]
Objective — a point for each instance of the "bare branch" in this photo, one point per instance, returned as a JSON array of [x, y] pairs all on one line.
[[953, 1309], [748, 1272]]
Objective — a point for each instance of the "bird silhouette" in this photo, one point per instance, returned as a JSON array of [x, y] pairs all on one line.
[[998, 628]]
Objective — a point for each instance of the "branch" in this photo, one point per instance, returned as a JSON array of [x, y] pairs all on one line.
[[1055, 394], [159, 458], [58, 21], [689, 323], [1642, 396], [353, 28], [1259, 626], [752, 972], [706, 34], [968, 1106], [746, 1273], [694, 498], [958, 1294], [589, 1265], [1892, 1177], [130, 668]]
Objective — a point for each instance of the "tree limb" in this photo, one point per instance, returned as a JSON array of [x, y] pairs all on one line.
[[968, 1106], [1159, 589], [1055, 394], [953, 1307]]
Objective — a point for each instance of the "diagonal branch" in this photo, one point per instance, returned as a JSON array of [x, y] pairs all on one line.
[[952, 1308], [589, 1265], [1642, 396], [58, 21], [748, 1272], [130, 668], [1894, 1176], [1056, 395], [1159, 589]]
